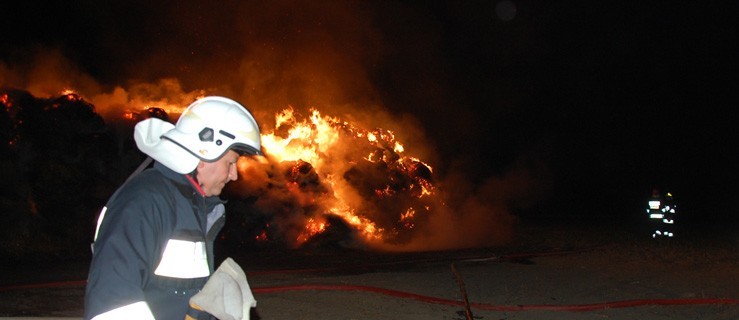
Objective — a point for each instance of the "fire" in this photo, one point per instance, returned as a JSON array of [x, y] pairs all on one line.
[[312, 227], [305, 140], [334, 168], [407, 217]]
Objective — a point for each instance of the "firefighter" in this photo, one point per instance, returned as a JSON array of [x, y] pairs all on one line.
[[153, 245], [661, 210]]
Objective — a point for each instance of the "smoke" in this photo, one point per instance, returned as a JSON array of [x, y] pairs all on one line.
[[270, 55], [45, 72], [479, 215]]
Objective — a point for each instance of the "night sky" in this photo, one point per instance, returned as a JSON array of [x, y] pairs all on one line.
[[600, 101]]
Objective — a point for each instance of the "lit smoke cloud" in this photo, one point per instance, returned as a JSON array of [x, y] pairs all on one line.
[[45, 73]]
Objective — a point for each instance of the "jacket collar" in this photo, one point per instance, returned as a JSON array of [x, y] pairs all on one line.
[[182, 179]]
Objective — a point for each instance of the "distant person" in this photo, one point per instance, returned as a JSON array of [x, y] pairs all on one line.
[[153, 246], [661, 210]]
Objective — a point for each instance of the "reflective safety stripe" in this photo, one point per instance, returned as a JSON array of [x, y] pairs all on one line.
[[184, 260], [100, 221], [656, 216], [654, 204], [137, 310], [660, 233]]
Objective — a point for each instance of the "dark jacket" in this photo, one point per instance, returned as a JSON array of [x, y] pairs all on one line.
[[154, 244]]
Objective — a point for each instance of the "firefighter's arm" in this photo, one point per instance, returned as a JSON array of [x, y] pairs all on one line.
[[123, 248]]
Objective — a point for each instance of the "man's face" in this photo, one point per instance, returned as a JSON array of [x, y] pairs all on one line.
[[213, 176]]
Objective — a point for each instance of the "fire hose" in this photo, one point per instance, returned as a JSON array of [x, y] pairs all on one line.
[[441, 301], [492, 307]]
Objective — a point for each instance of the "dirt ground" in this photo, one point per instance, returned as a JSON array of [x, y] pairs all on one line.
[[557, 270]]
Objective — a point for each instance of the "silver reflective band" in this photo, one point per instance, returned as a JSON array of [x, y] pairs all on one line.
[[654, 204], [184, 260], [136, 310], [656, 216], [100, 221]]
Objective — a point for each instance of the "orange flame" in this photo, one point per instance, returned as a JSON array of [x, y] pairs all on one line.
[[328, 144], [313, 227]]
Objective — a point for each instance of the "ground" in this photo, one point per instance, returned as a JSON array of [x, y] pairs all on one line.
[[558, 269]]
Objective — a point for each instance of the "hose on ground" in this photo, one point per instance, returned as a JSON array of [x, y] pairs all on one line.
[[435, 300], [492, 307], [442, 301], [463, 291]]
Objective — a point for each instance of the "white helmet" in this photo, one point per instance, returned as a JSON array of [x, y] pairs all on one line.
[[206, 130]]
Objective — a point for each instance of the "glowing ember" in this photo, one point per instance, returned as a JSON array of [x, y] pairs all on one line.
[[130, 115], [4, 100]]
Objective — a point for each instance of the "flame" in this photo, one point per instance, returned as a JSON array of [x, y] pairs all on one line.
[[324, 150], [313, 227], [407, 218]]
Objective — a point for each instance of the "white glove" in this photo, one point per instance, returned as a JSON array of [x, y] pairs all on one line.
[[226, 295]]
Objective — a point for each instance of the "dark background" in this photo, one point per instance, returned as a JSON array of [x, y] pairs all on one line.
[[601, 100]]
